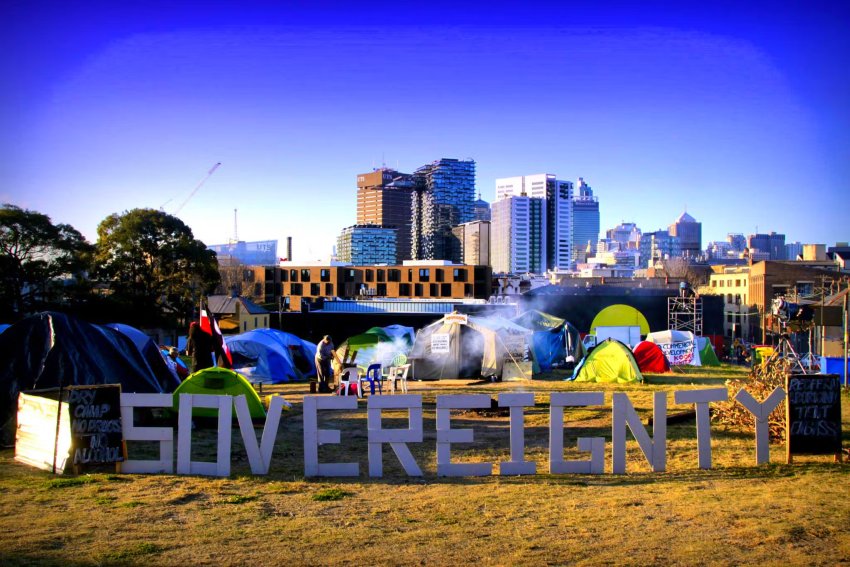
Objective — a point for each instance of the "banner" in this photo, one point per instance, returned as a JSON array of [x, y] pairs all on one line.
[[681, 352]]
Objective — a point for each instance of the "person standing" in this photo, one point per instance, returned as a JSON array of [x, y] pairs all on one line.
[[199, 346], [324, 355]]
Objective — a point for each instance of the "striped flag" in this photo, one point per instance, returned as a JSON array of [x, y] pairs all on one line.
[[210, 326]]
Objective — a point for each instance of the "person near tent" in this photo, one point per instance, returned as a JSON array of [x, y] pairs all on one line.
[[324, 356], [179, 366], [199, 346]]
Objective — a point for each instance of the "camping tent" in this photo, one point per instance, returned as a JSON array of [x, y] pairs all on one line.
[[707, 356], [554, 341], [219, 381], [609, 361], [149, 351], [465, 346], [378, 344], [4, 326], [680, 347], [620, 315], [650, 358], [48, 350], [270, 356]]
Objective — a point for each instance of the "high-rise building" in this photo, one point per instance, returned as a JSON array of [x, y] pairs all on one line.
[[625, 234], [473, 240], [585, 220], [793, 250], [772, 244], [689, 233], [557, 206], [518, 239], [366, 245], [383, 199], [657, 246], [443, 197], [480, 209]]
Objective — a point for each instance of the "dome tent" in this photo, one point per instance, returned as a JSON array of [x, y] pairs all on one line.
[[148, 349], [473, 346], [554, 341], [219, 381], [608, 362], [270, 356], [680, 347], [650, 358], [620, 315], [51, 349]]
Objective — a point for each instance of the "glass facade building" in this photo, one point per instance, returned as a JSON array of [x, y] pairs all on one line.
[[585, 220], [259, 253], [366, 245]]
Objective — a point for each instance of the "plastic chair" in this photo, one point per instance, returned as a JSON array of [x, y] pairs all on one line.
[[348, 377], [373, 376], [399, 373]]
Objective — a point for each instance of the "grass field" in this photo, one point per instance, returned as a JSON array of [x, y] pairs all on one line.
[[735, 513]]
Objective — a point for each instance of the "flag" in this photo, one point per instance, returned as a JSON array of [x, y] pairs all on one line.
[[210, 326]]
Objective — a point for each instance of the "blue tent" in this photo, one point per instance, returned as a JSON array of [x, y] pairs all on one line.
[[270, 356], [4, 326], [148, 349], [555, 342]]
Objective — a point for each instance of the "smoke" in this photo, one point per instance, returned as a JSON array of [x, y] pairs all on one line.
[[382, 353]]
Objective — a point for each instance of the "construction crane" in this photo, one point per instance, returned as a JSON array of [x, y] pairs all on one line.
[[195, 190]]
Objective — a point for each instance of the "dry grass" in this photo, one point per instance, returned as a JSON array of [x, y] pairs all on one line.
[[736, 513]]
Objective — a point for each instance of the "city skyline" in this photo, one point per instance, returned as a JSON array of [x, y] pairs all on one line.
[[736, 115]]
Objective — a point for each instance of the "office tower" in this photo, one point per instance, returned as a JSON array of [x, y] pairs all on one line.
[[689, 233], [657, 246], [383, 199], [365, 245], [443, 197], [772, 244], [518, 237], [625, 234], [793, 250], [557, 206], [480, 209], [473, 241], [585, 219]]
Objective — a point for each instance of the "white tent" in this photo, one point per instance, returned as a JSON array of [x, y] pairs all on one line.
[[680, 347]]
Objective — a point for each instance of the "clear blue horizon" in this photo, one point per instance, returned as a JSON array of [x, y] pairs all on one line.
[[736, 114]]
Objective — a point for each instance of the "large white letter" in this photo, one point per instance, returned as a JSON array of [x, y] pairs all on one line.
[[313, 436], [446, 435], [259, 457], [596, 445], [701, 399], [761, 412], [517, 464], [655, 450], [165, 435], [185, 464], [397, 438]]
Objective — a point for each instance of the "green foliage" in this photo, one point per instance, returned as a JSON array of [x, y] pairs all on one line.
[[37, 260], [151, 260], [330, 494]]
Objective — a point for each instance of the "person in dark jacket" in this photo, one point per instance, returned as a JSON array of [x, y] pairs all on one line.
[[199, 346], [324, 355]]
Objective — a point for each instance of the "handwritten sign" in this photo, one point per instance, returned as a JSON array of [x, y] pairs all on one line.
[[440, 343], [813, 414], [680, 352], [96, 429]]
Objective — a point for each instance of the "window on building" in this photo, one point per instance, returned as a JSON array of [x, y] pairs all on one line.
[[325, 275], [382, 275], [329, 289], [410, 275], [296, 289], [370, 275], [418, 290], [293, 275], [445, 290], [728, 298], [393, 275], [459, 275], [284, 275], [433, 290], [721, 283], [382, 290], [305, 275], [467, 290], [805, 288], [424, 274], [255, 323], [404, 290], [439, 275], [315, 289], [713, 283], [348, 275]]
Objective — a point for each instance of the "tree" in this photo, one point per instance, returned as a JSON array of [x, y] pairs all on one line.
[[152, 260], [36, 259]]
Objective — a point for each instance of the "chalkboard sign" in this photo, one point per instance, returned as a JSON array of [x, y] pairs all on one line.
[[96, 431], [813, 414]]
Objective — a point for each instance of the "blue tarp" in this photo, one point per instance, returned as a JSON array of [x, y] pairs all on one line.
[[270, 356], [554, 343]]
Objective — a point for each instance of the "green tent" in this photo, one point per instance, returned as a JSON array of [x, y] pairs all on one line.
[[610, 361], [707, 356], [219, 382]]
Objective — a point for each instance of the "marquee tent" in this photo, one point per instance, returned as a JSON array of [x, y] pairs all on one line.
[[620, 315], [553, 342], [466, 346], [650, 358], [49, 349], [609, 361], [680, 347], [270, 356], [219, 381]]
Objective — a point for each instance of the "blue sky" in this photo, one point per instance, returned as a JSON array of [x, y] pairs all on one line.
[[738, 114]]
